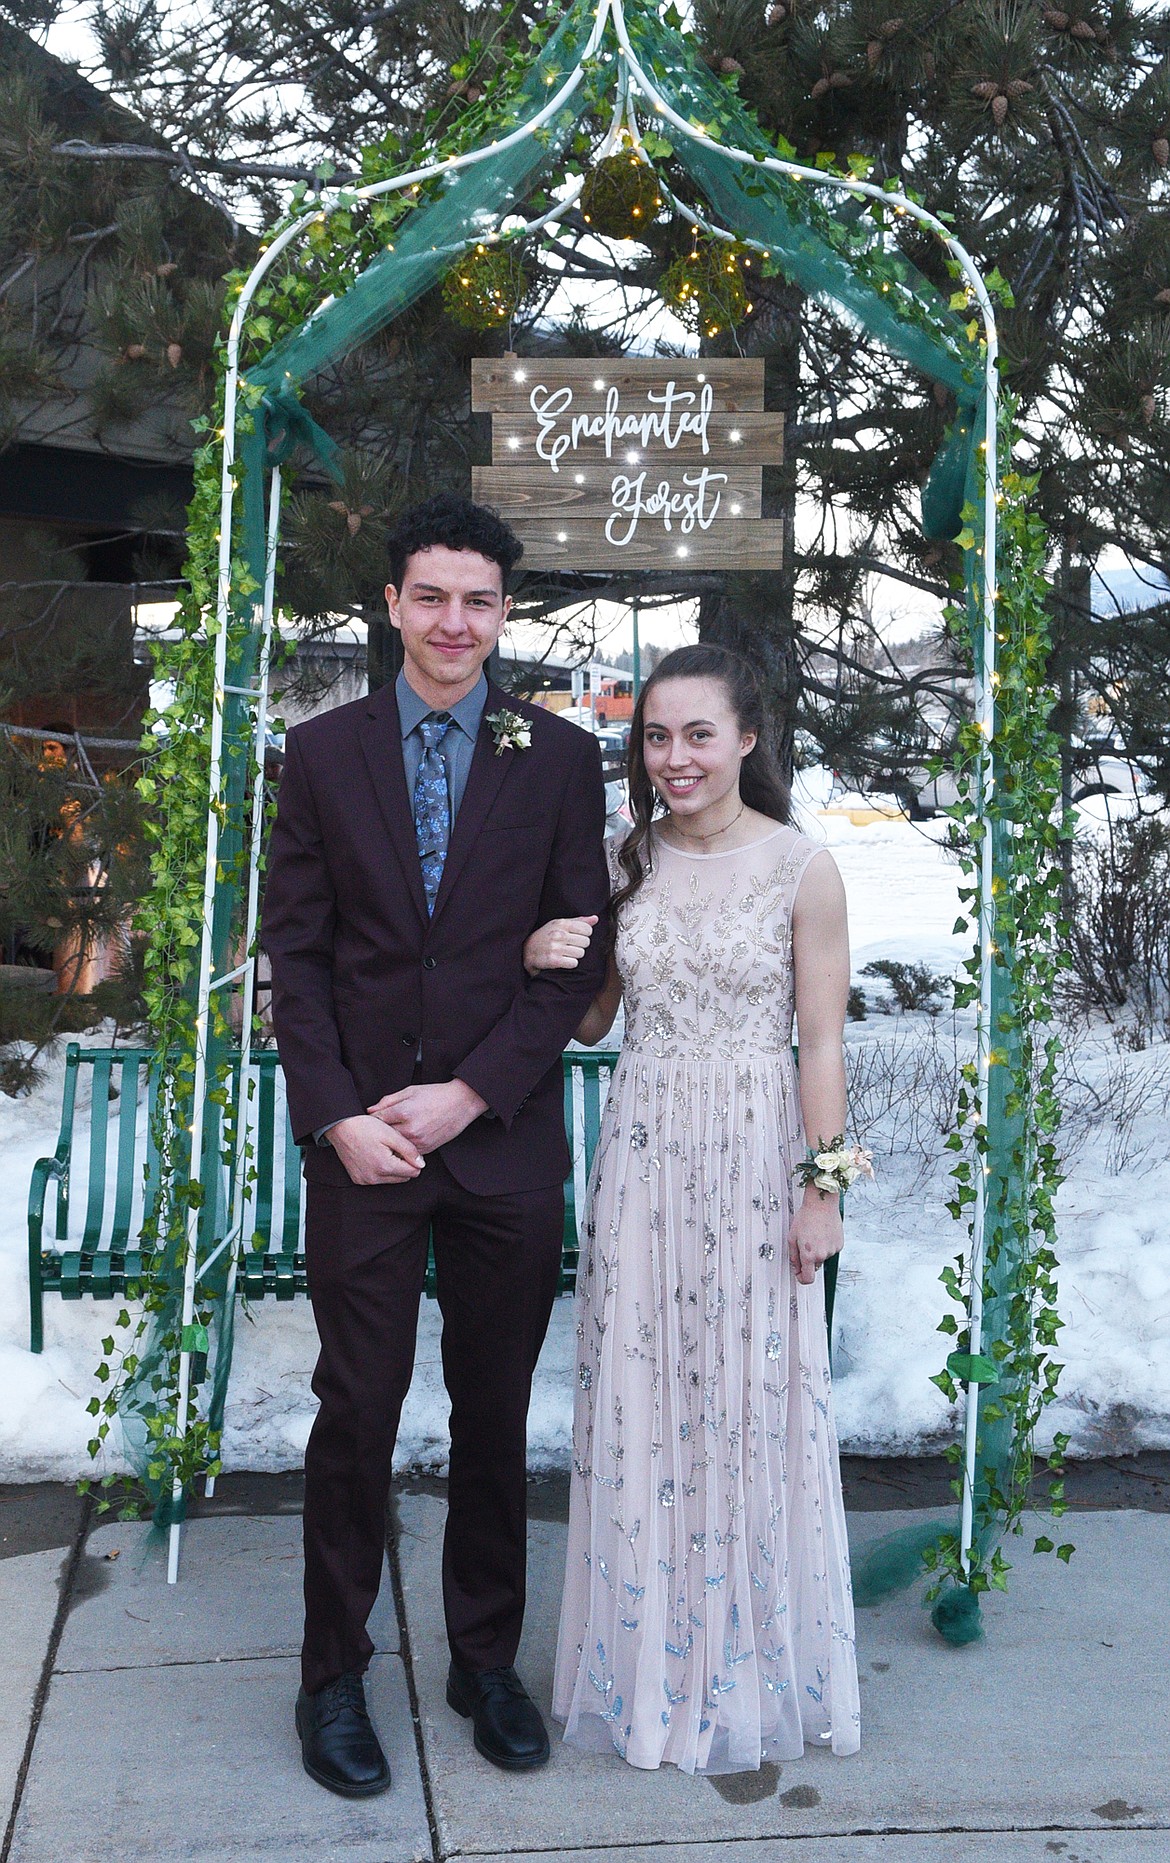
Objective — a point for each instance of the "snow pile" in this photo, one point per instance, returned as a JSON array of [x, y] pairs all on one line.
[[1114, 1244]]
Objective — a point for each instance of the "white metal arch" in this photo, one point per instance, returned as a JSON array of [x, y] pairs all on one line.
[[631, 82]]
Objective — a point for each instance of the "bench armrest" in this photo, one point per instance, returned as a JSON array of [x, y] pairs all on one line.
[[45, 1171]]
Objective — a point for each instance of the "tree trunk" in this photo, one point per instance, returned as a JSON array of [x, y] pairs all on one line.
[[1072, 616], [754, 613]]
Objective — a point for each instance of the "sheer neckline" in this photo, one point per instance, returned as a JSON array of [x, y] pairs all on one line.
[[746, 847]]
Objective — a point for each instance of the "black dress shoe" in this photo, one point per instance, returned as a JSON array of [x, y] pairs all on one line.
[[338, 1744], [508, 1729]]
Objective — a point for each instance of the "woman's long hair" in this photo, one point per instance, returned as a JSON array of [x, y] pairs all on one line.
[[761, 785]]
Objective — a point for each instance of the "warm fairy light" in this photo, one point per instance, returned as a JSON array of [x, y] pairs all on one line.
[[633, 456], [735, 436], [513, 442], [562, 536], [735, 510], [682, 550], [700, 378], [579, 477], [599, 385], [520, 375]]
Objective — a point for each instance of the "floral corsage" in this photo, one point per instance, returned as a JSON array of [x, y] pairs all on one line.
[[835, 1167], [510, 731]]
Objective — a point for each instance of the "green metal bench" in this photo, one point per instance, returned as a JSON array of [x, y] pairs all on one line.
[[112, 1144]]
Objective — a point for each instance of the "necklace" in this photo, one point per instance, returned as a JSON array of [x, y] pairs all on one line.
[[714, 831]]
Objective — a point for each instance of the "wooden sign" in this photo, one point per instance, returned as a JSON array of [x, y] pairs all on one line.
[[630, 463]]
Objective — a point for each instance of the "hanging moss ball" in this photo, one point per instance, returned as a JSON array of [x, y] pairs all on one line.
[[620, 198], [706, 287], [485, 287]]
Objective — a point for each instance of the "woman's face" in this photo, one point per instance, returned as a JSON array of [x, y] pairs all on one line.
[[692, 744]]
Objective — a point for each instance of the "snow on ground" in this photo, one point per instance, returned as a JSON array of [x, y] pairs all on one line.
[[1114, 1242]]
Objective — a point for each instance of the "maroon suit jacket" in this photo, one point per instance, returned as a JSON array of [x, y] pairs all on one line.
[[361, 978]]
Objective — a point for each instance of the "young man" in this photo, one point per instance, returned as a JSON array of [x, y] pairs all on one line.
[[421, 835]]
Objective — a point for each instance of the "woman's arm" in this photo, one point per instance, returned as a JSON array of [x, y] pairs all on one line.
[[558, 946], [820, 955], [599, 1017]]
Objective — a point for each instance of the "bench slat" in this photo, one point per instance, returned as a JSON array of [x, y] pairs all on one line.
[[99, 1125], [127, 1136], [265, 1140], [292, 1189]]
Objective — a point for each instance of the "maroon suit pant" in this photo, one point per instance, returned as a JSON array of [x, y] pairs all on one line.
[[497, 1260]]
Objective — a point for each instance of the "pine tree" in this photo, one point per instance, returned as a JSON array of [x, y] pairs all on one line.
[[1042, 131]]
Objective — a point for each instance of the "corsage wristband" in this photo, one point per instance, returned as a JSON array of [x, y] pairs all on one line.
[[835, 1166]]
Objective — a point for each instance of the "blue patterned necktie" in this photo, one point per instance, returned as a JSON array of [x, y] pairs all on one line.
[[432, 804]]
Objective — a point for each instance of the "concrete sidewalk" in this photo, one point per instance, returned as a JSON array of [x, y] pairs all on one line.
[[154, 1723]]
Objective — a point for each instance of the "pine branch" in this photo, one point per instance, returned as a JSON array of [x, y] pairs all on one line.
[[187, 163]]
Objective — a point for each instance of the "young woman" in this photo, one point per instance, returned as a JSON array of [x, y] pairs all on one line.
[[707, 1619]]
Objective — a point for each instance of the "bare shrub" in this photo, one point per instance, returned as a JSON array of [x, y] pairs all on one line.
[[1119, 927], [912, 986], [902, 1088]]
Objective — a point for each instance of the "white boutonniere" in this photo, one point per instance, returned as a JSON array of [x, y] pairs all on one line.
[[510, 731], [836, 1166]]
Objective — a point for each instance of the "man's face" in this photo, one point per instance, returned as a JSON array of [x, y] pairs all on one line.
[[450, 611]]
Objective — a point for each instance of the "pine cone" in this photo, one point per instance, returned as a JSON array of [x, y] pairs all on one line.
[[164, 271], [891, 26], [873, 52], [1149, 408], [353, 519], [928, 66], [999, 110], [1163, 296], [986, 89], [174, 354], [1019, 87], [134, 352], [1160, 150], [731, 64], [1081, 29], [1053, 17], [819, 88], [776, 14], [839, 81]]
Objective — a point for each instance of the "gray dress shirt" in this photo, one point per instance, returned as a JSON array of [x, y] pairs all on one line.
[[456, 751], [458, 745]]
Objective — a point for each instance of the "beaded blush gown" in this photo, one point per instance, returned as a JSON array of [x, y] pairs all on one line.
[[707, 1618]]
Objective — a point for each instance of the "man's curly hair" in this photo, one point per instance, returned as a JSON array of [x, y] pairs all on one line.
[[456, 524]]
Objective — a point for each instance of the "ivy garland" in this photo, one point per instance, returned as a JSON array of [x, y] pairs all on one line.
[[174, 787], [1021, 1375]]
